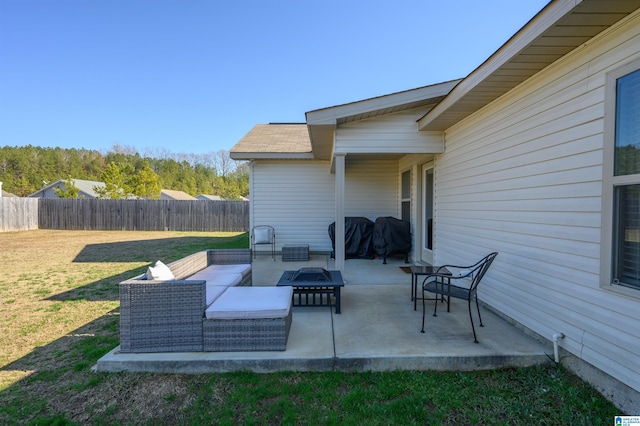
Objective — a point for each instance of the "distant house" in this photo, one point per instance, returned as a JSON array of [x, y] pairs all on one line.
[[85, 188], [207, 197], [169, 194], [4, 193]]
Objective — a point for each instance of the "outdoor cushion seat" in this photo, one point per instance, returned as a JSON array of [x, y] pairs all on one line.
[[248, 319], [212, 292], [251, 302], [244, 269], [209, 275], [168, 315]]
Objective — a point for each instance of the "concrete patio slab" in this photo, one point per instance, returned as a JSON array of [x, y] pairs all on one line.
[[309, 348], [382, 332], [378, 330]]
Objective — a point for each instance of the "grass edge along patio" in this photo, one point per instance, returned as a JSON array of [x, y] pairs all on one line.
[[64, 317]]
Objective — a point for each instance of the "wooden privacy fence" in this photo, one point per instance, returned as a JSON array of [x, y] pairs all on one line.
[[18, 214], [142, 215]]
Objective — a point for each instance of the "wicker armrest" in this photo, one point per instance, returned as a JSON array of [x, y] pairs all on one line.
[[187, 266], [161, 316], [229, 256], [166, 316]]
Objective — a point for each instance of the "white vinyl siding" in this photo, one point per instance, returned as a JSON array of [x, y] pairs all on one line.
[[297, 197], [395, 133], [523, 177], [371, 189]]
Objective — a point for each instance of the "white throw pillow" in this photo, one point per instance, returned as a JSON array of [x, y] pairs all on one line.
[[160, 272], [262, 236]]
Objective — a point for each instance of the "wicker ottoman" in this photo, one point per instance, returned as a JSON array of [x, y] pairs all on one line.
[[293, 252], [248, 319]]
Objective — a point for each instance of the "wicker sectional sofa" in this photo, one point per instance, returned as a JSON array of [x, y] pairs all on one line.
[[209, 306]]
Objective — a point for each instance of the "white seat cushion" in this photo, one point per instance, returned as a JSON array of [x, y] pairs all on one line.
[[213, 277], [212, 292], [251, 302], [244, 269]]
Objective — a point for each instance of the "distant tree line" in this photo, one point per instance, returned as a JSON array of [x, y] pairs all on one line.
[[26, 169]]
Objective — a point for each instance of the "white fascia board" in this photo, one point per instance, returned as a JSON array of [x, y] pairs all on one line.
[[331, 115], [542, 22], [270, 156]]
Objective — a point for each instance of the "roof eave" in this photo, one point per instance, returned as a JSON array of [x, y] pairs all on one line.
[[248, 156], [331, 115], [534, 47], [322, 122]]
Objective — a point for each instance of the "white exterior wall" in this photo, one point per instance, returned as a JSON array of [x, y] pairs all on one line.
[[297, 197], [371, 189], [523, 177], [394, 133]]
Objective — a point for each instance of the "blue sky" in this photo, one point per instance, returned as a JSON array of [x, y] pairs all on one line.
[[194, 76]]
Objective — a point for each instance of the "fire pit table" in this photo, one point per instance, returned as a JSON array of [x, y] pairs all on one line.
[[314, 287]]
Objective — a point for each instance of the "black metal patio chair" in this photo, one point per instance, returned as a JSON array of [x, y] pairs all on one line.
[[263, 234], [462, 283]]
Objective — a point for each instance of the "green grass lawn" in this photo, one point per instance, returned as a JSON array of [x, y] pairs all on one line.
[[59, 304]]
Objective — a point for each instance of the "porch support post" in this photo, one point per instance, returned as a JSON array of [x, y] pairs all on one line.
[[339, 161]]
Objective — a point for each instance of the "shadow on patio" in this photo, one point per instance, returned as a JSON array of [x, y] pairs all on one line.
[[378, 330]]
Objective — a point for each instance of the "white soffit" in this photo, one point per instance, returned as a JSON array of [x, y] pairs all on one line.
[[322, 122]]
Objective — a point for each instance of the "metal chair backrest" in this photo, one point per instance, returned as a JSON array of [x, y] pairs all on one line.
[[478, 270]]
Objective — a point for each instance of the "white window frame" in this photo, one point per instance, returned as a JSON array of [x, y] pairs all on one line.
[[609, 181]]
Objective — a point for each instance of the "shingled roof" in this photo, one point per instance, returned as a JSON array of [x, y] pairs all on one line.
[[274, 140], [170, 194]]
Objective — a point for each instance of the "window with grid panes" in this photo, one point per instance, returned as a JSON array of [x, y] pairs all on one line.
[[406, 195], [626, 182]]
